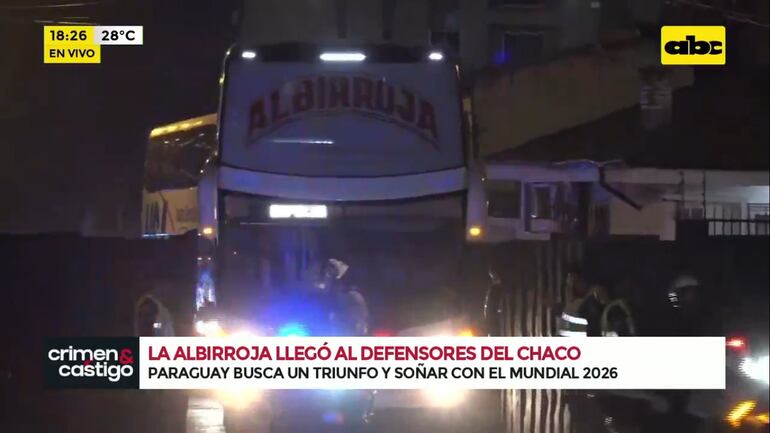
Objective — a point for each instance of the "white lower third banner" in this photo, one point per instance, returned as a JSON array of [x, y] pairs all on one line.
[[425, 363]]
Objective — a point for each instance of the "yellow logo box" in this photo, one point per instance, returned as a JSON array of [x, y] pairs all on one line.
[[693, 45], [70, 44]]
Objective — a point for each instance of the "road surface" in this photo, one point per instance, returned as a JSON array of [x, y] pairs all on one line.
[[204, 415]]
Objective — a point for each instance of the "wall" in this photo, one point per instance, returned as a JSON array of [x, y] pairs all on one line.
[[513, 108], [566, 23], [655, 219], [638, 270], [533, 276], [661, 192], [70, 286]]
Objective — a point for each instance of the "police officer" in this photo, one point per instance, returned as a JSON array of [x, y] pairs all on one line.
[[580, 317], [690, 314], [616, 318], [351, 308], [163, 411]]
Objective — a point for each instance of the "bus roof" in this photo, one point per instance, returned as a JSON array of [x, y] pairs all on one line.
[[182, 125]]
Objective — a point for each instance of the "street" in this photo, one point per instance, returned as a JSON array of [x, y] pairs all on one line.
[[204, 415]]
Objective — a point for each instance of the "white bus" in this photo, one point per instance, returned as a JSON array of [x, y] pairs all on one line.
[[360, 157], [176, 155]]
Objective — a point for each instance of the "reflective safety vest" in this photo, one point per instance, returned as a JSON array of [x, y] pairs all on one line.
[[570, 323]]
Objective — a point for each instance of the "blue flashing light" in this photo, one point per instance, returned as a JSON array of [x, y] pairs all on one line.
[[293, 329], [501, 57], [333, 418]]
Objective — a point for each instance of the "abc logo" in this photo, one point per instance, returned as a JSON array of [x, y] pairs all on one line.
[[692, 45]]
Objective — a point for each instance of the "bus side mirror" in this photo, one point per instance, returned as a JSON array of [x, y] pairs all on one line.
[[476, 210]]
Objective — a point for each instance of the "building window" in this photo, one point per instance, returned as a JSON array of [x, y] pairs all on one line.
[[541, 206], [505, 203], [520, 48]]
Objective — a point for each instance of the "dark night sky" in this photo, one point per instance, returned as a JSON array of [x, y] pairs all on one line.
[[73, 136]]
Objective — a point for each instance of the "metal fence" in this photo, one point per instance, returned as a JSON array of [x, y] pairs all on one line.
[[534, 274], [737, 227]]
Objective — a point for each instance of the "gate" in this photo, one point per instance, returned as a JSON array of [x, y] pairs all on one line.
[[533, 273]]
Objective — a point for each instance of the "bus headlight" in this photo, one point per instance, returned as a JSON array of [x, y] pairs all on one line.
[[757, 368], [236, 398], [444, 398], [209, 328]]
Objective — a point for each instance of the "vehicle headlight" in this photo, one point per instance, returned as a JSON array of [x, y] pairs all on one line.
[[293, 329], [463, 332], [445, 398], [757, 368], [244, 333], [213, 328], [209, 328], [237, 398]]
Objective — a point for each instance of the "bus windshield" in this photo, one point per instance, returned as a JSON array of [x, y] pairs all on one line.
[[176, 153], [405, 258]]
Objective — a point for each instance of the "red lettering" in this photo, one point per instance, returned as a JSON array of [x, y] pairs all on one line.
[[303, 99], [406, 112], [559, 353], [242, 353], [547, 354], [163, 354], [501, 354], [362, 92], [257, 118], [180, 353], [338, 94], [486, 353], [384, 96], [275, 106], [229, 353], [321, 93], [427, 119], [521, 353], [573, 353]]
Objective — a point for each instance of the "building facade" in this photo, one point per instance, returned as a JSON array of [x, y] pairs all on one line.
[[585, 200], [512, 33]]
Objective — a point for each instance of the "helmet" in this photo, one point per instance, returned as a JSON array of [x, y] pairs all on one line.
[[600, 293], [336, 268], [332, 270], [683, 291]]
